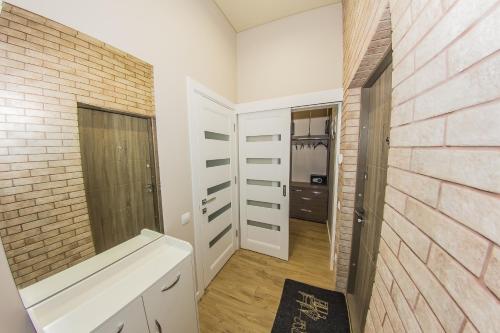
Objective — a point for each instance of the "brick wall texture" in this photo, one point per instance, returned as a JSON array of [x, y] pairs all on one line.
[[45, 70], [438, 267], [375, 45]]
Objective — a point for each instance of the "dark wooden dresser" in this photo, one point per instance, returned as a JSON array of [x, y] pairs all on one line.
[[309, 202]]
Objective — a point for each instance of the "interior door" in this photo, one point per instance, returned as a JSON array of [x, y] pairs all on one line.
[[118, 174], [370, 192], [264, 154], [214, 157]]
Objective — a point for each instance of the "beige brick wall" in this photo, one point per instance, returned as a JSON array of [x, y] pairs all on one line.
[[45, 70], [438, 266], [347, 181], [364, 49]]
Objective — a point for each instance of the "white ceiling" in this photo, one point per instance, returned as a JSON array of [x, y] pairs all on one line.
[[246, 14]]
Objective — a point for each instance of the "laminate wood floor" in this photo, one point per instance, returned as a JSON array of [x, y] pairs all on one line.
[[245, 295]]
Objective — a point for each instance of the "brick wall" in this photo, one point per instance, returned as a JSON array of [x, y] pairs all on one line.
[[364, 49], [439, 259], [349, 133], [45, 70]]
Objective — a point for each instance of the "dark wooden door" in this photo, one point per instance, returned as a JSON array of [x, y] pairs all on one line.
[[370, 192], [118, 175]]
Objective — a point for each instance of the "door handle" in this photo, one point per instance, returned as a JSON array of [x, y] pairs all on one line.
[[158, 326], [305, 198], [360, 215], [149, 188], [306, 210], [173, 284], [284, 190], [207, 201]]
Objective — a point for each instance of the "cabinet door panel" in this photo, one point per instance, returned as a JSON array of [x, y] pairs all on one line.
[[130, 319], [170, 303]]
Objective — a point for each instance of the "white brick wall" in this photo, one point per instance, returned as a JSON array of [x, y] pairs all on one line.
[[439, 258]]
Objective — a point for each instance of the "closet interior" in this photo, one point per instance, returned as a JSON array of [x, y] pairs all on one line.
[[312, 145]]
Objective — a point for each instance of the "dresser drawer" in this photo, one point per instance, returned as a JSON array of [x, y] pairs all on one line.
[[304, 213], [309, 192], [309, 206]]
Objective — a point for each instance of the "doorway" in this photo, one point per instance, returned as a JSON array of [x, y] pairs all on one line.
[[287, 176], [371, 181], [253, 149], [119, 174]]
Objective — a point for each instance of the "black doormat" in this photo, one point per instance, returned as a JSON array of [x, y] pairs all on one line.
[[307, 309]]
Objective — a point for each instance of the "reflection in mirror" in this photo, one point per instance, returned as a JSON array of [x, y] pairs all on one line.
[[75, 178]]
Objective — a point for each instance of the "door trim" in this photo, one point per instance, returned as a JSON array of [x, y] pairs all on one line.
[[195, 89], [335, 196], [323, 97]]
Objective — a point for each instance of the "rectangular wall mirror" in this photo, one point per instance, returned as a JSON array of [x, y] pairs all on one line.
[[78, 166]]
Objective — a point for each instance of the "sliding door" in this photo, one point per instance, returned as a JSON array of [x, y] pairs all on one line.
[[264, 147]]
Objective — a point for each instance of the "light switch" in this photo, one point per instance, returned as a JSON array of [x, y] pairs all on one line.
[[186, 218], [340, 159]]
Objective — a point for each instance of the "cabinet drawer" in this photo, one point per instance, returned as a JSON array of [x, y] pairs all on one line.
[[307, 214], [309, 192], [309, 206], [309, 201], [130, 319], [170, 303]]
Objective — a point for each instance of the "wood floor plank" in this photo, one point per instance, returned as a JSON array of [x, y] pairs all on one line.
[[245, 295]]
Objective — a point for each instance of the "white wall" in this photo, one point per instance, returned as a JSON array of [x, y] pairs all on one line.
[[179, 38], [295, 55], [13, 317]]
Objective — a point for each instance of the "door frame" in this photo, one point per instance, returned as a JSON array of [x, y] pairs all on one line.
[[195, 89], [153, 146], [360, 179], [307, 100], [334, 200]]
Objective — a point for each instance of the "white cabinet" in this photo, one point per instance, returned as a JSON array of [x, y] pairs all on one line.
[[150, 290], [168, 303], [131, 319]]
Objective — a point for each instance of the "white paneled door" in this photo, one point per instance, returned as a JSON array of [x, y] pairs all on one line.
[[213, 151], [264, 155]]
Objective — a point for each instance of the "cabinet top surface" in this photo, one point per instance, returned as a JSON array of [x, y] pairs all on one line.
[[85, 305]]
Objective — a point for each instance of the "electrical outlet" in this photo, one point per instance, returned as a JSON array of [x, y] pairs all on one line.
[[186, 218]]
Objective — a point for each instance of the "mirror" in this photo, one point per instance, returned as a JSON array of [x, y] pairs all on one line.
[[78, 172]]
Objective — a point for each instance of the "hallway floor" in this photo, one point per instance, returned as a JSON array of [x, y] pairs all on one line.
[[245, 295]]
